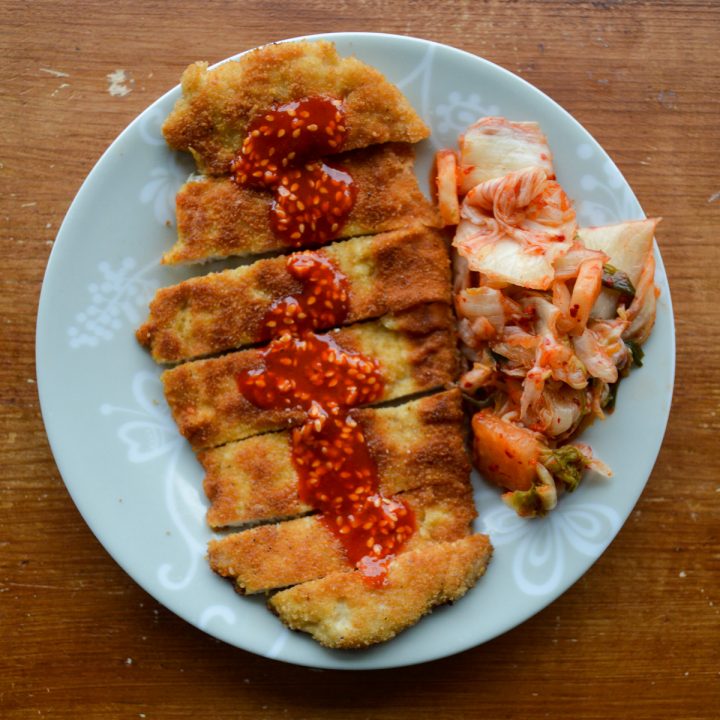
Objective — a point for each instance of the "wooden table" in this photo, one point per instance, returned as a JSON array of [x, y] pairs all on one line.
[[637, 637]]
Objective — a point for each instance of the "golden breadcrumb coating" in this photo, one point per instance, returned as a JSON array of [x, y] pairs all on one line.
[[420, 443], [416, 351], [286, 553], [212, 116], [216, 218], [399, 315], [226, 310], [341, 610]]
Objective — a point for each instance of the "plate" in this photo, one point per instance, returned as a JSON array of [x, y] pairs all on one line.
[[136, 481]]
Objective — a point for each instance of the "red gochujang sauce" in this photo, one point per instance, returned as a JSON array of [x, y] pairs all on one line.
[[337, 474], [311, 199]]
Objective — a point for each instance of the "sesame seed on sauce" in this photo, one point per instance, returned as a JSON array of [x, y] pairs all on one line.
[[301, 215], [322, 303], [311, 199], [337, 474]]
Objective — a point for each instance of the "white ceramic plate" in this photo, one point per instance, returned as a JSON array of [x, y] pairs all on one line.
[[136, 482]]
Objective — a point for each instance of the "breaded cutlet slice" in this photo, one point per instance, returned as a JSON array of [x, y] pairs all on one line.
[[341, 610], [420, 443], [226, 310], [211, 118], [415, 349], [294, 551], [216, 218]]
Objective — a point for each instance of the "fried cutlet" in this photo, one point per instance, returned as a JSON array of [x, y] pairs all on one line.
[[415, 349], [286, 553], [225, 310], [212, 117], [420, 443], [341, 610], [216, 218]]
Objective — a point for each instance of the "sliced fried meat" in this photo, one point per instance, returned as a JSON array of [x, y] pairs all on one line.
[[282, 554], [342, 610], [226, 310], [217, 218], [211, 118], [420, 443], [415, 349]]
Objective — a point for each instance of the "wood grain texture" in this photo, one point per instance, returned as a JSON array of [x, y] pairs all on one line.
[[637, 637]]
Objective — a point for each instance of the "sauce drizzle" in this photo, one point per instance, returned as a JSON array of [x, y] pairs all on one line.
[[311, 199], [337, 473], [322, 303]]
